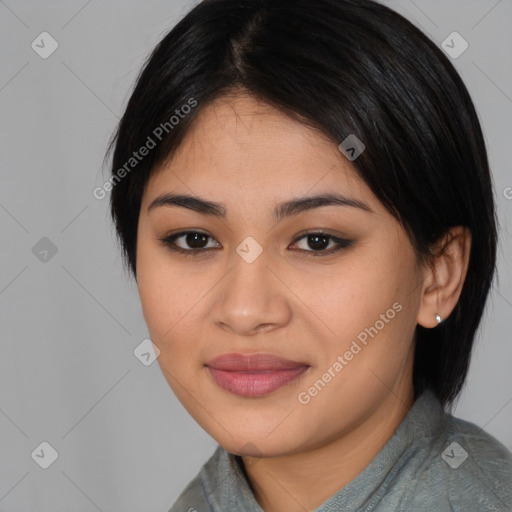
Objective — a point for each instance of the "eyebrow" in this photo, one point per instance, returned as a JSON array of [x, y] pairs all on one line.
[[282, 210]]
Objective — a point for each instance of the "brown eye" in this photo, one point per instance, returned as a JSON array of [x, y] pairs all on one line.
[[191, 242], [196, 242], [317, 243]]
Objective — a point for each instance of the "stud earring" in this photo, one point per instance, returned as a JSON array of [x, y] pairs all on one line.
[[439, 319]]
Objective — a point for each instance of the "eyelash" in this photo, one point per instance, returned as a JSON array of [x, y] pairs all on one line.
[[341, 244]]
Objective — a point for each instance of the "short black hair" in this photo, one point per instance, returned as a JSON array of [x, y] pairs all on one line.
[[343, 67]]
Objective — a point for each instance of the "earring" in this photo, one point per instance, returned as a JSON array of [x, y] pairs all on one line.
[[439, 319]]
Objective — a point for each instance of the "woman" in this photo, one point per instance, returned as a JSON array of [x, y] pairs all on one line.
[[301, 190]]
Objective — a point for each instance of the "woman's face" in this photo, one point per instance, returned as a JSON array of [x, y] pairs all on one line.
[[333, 289]]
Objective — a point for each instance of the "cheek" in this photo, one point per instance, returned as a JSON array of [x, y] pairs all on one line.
[[174, 299], [167, 298], [159, 290], [350, 297], [370, 313]]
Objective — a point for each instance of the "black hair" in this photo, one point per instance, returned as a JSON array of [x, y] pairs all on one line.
[[343, 67]]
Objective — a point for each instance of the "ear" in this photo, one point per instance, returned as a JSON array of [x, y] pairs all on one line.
[[444, 277]]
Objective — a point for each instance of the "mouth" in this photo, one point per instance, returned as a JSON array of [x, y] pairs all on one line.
[[254, 375]]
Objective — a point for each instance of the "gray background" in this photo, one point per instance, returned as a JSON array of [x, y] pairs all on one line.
[[71, 320]]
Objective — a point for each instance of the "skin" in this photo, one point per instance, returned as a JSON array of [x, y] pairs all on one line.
[[249, 157]]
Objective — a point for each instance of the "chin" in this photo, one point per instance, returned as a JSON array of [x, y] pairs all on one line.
[[251, 444]]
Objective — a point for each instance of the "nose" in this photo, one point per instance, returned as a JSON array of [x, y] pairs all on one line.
[[251, 299]]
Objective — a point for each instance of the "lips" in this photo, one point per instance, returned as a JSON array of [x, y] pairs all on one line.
[[254, 375]]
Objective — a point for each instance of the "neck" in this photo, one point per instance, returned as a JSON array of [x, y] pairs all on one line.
[[291, 482]]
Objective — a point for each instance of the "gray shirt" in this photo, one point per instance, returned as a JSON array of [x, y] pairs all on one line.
[[434, 462]]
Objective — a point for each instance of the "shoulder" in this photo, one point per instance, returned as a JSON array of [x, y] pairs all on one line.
[[466, 469], [194, 497]]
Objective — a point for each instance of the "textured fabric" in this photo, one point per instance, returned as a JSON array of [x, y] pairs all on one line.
[[420, 469]]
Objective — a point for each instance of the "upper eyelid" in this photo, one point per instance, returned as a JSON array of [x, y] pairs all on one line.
[[179, 234]]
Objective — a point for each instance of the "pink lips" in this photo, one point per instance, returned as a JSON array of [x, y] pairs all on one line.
[[253, 375]]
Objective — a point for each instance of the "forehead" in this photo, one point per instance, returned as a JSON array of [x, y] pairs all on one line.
[[240, 145]]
